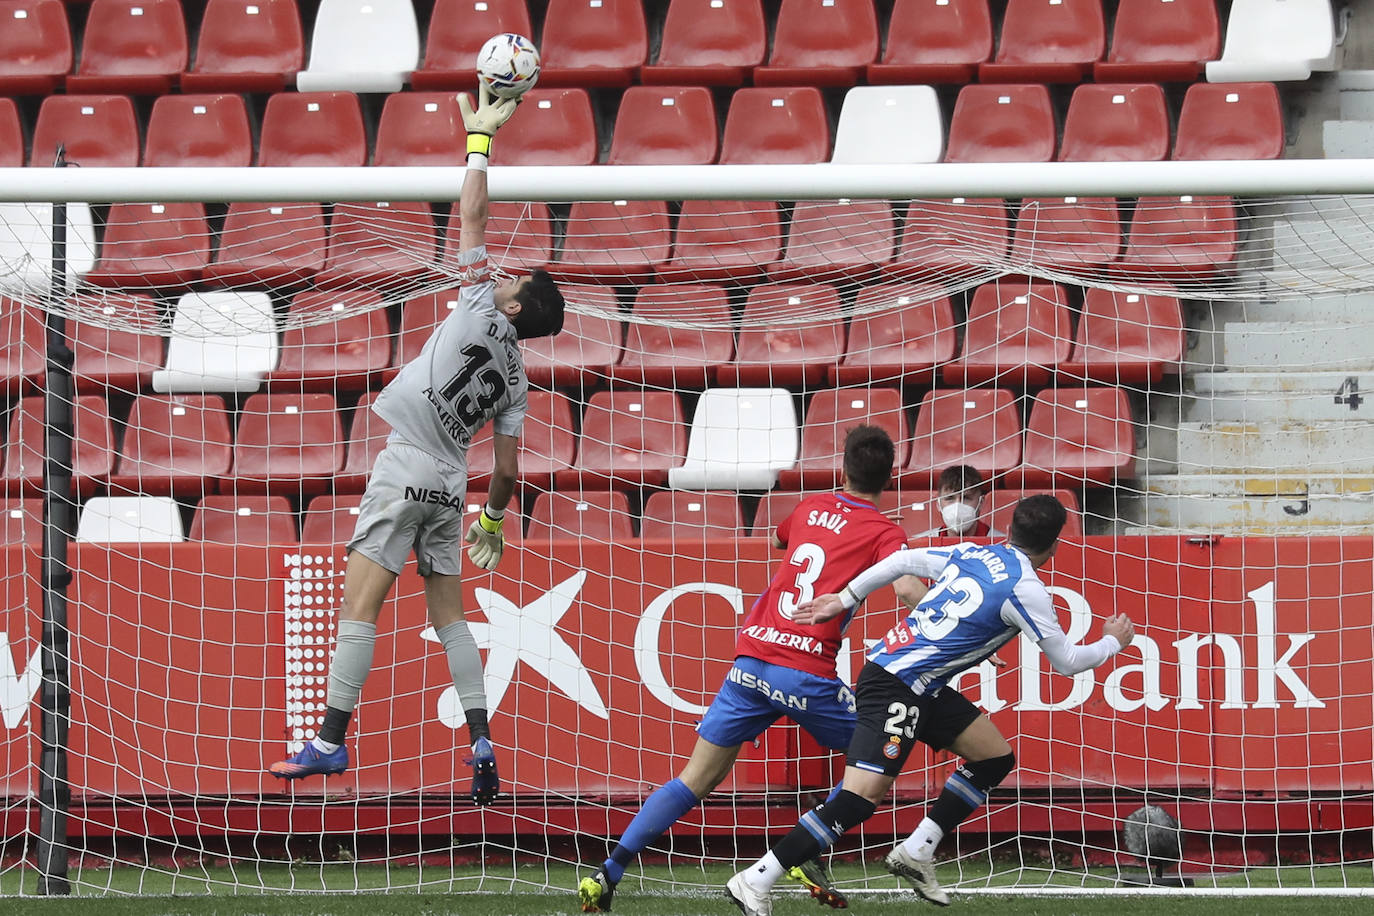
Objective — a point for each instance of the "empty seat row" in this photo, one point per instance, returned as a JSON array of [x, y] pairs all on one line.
[[142, 45], [1017, 333], [678, 516], [295, 444], [667, 126], [397, 247]]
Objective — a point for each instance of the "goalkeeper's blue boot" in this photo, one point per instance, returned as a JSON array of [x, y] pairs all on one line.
[[486, 784], [309, 761]]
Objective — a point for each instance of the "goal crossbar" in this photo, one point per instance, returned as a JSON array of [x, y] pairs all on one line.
[[694, 182]]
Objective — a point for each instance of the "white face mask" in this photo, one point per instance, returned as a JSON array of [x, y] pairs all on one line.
[[959, 517]]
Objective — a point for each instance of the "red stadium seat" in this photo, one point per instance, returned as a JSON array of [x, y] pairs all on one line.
[[457, 30], [709, 43], [916, 511], [175, 444], [367, 437], [725, 239], [421, 128], [243, 521], [767, 126], [380, 244], [269, 244], [320, 353], [547, 444], [1126, 337], [98, 131], [935, 41], [1230, 121], [615, 240], [821, 43], [593, 43], [980, 427], [123, 357], [1161, 41], [519, 238], [946, 239], [1002, 503], [1047, 41], [287, 443], [1068, 233], [597, 515], [629, 438], [92, 446], [786, 354], [551, 127], [160, 245], [419, 317], [136, 46], [900, 332], [1080, 436], [1001, 124], [1116, 123], [669, 126], [330, 519], [1017, 334], [1182, 236], [588, 346], [312, 128], [23, 345], [830, 416], [199, 130], [660, 353], [848, 240], [11, 135], [35, 46], [691, 518], [247, 46], [774, 506], [21, 522]]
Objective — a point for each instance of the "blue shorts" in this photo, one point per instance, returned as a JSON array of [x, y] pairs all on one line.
[[756, 694]]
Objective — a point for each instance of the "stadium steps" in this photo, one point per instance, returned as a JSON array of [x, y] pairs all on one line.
[[1237, 504], [1282, 397]]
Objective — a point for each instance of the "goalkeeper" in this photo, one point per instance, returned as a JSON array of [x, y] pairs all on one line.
[[783, 667], [469, 372]]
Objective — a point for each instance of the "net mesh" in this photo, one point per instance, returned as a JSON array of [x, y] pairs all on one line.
[[1186, 368]]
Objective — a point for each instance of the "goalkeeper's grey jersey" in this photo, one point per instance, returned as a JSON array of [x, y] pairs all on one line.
[[468, 373]]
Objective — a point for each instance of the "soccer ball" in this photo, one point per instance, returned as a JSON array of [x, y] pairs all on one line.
[[1152, 834], [508, 64]]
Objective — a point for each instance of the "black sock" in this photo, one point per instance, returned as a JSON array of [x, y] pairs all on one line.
[[477, 725], [820, 827], [335, 725]]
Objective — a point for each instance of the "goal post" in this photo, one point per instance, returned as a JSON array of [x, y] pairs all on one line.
[[1176, 350]]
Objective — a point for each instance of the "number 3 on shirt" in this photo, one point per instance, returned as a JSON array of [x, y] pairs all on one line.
[[811, 558]]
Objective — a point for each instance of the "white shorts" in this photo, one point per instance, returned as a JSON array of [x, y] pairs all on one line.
[[413, 502]]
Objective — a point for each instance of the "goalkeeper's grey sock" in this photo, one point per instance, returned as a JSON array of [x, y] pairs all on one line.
[[351, 664], [465, 666]]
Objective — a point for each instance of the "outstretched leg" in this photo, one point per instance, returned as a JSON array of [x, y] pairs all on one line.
[[444, 597], [366, 584]]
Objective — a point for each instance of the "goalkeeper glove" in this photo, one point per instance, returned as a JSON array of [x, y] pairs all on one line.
[[486, 120], [487, 541]]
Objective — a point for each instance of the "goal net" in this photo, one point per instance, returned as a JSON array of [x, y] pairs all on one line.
[[1183, 371]]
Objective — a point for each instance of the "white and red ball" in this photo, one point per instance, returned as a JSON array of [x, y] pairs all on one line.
[[508, 64]]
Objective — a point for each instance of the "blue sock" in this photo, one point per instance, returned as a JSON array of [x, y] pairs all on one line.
[[661, 810]]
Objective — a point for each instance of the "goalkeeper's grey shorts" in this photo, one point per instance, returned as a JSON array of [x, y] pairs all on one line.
[[413, 502]]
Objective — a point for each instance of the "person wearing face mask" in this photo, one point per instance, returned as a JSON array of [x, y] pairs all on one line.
[[962, 491]]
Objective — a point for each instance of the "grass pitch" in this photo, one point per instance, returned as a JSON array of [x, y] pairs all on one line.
[[341, 889]]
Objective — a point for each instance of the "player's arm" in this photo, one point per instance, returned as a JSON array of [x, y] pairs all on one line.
[[486, 535], [481, 125], [1031, 611], [922, 562]]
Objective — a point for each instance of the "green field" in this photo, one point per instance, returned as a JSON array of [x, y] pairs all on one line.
[[524, 890]]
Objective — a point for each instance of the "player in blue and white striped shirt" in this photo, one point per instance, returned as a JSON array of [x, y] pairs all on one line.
[[982, 598]]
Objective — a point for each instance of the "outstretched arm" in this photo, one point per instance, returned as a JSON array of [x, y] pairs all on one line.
[[925, 562], [1032, 612], [481, 125]]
